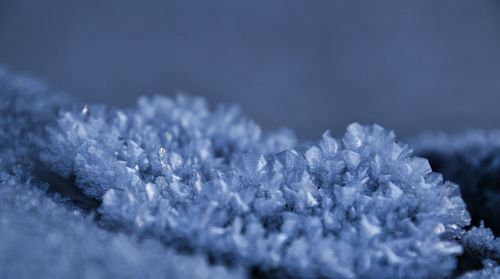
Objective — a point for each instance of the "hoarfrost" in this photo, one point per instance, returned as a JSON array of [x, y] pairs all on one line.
[[213, 183]]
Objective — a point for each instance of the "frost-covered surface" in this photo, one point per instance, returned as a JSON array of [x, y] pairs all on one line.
[[481, 242], [491, 270], [40, 238], [355, 206], [183, 177], [472, 160]]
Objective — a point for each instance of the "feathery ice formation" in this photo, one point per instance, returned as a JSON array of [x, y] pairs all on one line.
[[139, 186]]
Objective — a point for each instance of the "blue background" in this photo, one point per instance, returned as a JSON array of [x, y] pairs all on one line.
[[308, 65]]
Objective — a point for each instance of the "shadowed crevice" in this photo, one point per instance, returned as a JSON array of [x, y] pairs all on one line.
[[479, 184], [67, 189]]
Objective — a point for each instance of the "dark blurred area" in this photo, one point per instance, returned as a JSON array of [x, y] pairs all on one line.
[[308, 65]]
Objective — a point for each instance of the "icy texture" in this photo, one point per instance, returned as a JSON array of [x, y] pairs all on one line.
[[482, 243], [491, 271], [357, 206], [179, 176], [26, 107], [472, 160], [42, 236]]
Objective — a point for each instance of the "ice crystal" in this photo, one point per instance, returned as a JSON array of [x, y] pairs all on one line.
[[180, 176], [472, 160], [481, 242], [40, 234], [355, 206], [41, 238]]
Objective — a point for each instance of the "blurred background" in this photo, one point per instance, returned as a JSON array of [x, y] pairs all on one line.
[[410, 66]]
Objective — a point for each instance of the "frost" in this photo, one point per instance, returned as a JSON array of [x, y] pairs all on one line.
[[170, 175], [483, 242], [472, 160], [491, 270], [42, 238], [357, 201], [43, 235]]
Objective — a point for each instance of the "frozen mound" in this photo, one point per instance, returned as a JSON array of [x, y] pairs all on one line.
[[472, 160], [41, 238], [356, 206], [26, 108], [103, 192], [42, 234]]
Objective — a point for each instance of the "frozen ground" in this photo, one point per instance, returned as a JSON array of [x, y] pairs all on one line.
[[169, 188]]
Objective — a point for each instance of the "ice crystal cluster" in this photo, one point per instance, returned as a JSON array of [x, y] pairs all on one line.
[[471, 159], [171, 189], [41, 235], [40, 238]]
